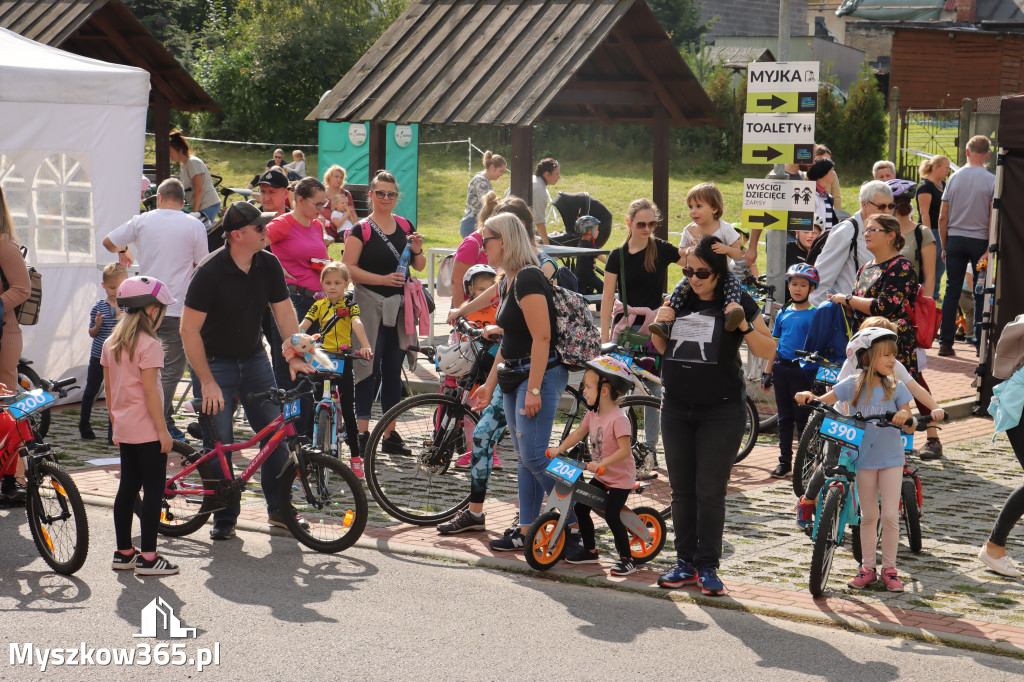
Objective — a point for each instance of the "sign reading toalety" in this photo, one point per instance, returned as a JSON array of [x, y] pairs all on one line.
[[778, 204]]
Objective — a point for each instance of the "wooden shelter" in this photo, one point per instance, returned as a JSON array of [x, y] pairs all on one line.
[[517, 62], [107, 30], [937, 67]]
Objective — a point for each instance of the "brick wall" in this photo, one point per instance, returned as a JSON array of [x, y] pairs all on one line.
[[752, 17]]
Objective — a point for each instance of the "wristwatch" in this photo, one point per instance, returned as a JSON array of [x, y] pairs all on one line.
[[535, 391], [848, 297]]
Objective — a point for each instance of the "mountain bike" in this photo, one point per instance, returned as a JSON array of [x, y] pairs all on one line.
[[328, 425], [56, 513], [326, 492], [810, 451]]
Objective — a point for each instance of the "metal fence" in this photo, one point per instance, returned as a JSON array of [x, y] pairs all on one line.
[[923, 133]]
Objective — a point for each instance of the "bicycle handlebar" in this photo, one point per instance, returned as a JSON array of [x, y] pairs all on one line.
[[816, 359], [428, 351], [920, 423], [280, 396], [550, 454]]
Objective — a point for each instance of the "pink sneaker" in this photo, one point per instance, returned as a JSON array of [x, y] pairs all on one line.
[[891, 580], [864, 577], [357, 466], [463, 462], [497, 462]]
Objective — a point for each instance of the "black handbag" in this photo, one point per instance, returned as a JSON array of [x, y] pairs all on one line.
[[509, 379]]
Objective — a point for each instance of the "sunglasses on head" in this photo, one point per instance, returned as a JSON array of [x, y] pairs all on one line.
[[699, 274], [381, 194]]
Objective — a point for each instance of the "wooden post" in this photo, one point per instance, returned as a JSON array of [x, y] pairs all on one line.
[[963, 132], [162, 133], [660, 163], [894, 127], [378, 148], [521, 161]]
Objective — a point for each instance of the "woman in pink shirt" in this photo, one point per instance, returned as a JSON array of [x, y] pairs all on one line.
[[471, 252]]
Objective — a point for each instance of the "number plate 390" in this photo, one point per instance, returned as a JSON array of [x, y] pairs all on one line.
[[844, 433]]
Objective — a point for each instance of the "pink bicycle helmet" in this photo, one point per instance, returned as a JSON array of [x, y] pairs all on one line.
[[138, 292], [613, 371], [864, 339]]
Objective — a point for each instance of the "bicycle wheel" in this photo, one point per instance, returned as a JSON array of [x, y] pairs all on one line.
[[911, 514], [56, 518], [538, 537], [827, 541], [324, 432], [808, 453], [643, 552], [764, 403], [652, 488], [750, 431], [334, 504], [421, 486], [185, 509]]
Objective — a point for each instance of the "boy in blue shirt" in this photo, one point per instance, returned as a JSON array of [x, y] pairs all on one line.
[[784, 369], [102, 320]]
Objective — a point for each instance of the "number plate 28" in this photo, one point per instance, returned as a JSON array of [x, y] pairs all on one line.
[[839, 431], [291, 409], [827, 375], [563, 470], [29, 403]]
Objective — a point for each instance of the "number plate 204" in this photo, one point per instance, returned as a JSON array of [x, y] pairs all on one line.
[[290, 409], [29, 403], [841, 432], [827, 375], [564, 471]]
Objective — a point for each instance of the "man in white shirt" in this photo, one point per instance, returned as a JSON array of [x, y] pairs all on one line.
[[845, 251], [169, 244]]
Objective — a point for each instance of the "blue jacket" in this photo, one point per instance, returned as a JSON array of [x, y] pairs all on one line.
[[829, 332]]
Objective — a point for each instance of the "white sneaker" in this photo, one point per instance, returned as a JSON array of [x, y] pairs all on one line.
[[1003, 565]]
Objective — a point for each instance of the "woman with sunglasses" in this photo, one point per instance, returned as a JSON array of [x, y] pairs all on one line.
[[703, 412], [372, 253], [886, 287]]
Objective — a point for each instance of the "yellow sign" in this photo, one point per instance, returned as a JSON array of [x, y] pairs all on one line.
[[763, 152], [764, 220], [782, 102]]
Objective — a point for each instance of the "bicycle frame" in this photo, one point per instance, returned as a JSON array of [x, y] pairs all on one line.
[[844, 477], [331, 400]]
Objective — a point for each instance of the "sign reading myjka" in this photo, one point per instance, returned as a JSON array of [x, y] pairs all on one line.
[[778, 204], [781, 100]]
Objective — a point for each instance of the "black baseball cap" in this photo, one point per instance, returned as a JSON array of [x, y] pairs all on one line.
[[819, 169], [242, 213], [273, 177]]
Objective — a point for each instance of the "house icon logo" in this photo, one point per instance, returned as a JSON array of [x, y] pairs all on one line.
[[158, 615]]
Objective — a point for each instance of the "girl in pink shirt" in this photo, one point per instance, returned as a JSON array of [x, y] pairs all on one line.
[[132, 358], [608, 427]]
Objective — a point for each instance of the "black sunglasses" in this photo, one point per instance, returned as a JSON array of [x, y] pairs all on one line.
[[699, 274], [883, 207], [381, 194], [641, 225], [484, 240]]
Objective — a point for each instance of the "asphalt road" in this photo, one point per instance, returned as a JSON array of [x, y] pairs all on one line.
[[273, 610]]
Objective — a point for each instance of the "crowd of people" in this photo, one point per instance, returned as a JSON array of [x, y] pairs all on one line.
[[218, 307]]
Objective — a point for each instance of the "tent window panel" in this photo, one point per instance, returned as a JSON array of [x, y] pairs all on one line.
[[62, 203], [80, 241], [16, 193], [50, 239]]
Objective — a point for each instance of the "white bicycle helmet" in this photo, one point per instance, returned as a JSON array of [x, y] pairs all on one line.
[[864, 339], [472, 272], [457, 359]]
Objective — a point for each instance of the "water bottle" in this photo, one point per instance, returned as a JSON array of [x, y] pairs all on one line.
[[403, 262]]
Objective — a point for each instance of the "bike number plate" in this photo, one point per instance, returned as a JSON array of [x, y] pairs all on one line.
[[564, 471], [339, 366], [291, 409], [29, 403], [844, 433], [827, 374], [624, 359], [908, 441]]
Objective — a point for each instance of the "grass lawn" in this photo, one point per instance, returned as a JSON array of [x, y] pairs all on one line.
[[444, 177]]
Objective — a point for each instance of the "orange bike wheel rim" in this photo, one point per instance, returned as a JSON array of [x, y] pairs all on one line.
[[541, 540], [637, 546]]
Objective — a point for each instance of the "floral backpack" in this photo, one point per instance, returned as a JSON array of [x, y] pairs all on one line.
[[578, 340]]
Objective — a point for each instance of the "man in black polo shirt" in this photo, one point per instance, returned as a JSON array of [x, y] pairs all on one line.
[[220, 328]]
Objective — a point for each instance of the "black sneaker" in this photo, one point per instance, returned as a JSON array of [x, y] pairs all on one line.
[[932, 449], [509, 543], [87, 434], [222, 530], [363, 437], [463, 522], [583, 556], [624, 567], [781, 470], [394, 445], [660, 329], [12, 493], [158, 566], [514, 527], [123, 562], [733, 319], [276, 518]]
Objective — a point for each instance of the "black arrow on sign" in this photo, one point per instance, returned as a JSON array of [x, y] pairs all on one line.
[[768, 154], [774, 102], [765, 220]]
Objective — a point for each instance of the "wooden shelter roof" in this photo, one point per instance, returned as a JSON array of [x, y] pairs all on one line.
[[106, 30], [517, 62]]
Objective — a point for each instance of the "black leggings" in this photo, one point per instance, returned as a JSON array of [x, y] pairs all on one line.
[[616, 501], [346, 394], [143, 467], [1013, 509]]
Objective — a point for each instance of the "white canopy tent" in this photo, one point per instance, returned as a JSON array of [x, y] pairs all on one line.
[[71, 153]]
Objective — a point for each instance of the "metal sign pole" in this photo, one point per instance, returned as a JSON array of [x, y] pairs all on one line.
[[775, 249]]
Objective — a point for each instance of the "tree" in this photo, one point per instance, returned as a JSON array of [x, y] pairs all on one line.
[[681, 20], [864, 119], [828, 121]]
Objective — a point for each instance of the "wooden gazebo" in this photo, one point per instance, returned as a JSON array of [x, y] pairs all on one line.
[[107, 30], [518, 62]]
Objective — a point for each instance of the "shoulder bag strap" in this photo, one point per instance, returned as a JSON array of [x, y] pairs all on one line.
[[380, 233], [622, 276]]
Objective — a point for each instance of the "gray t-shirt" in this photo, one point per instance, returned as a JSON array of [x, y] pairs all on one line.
[[195, 166], [540, 200], [969, 193]]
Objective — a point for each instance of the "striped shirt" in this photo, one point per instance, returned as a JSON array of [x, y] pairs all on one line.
[[109, 314]]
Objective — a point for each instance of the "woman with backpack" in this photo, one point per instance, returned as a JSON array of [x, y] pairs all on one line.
[[920, 248]]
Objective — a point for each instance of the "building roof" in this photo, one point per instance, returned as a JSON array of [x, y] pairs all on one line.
[[736, 57], [517, 62], [108, 31]]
